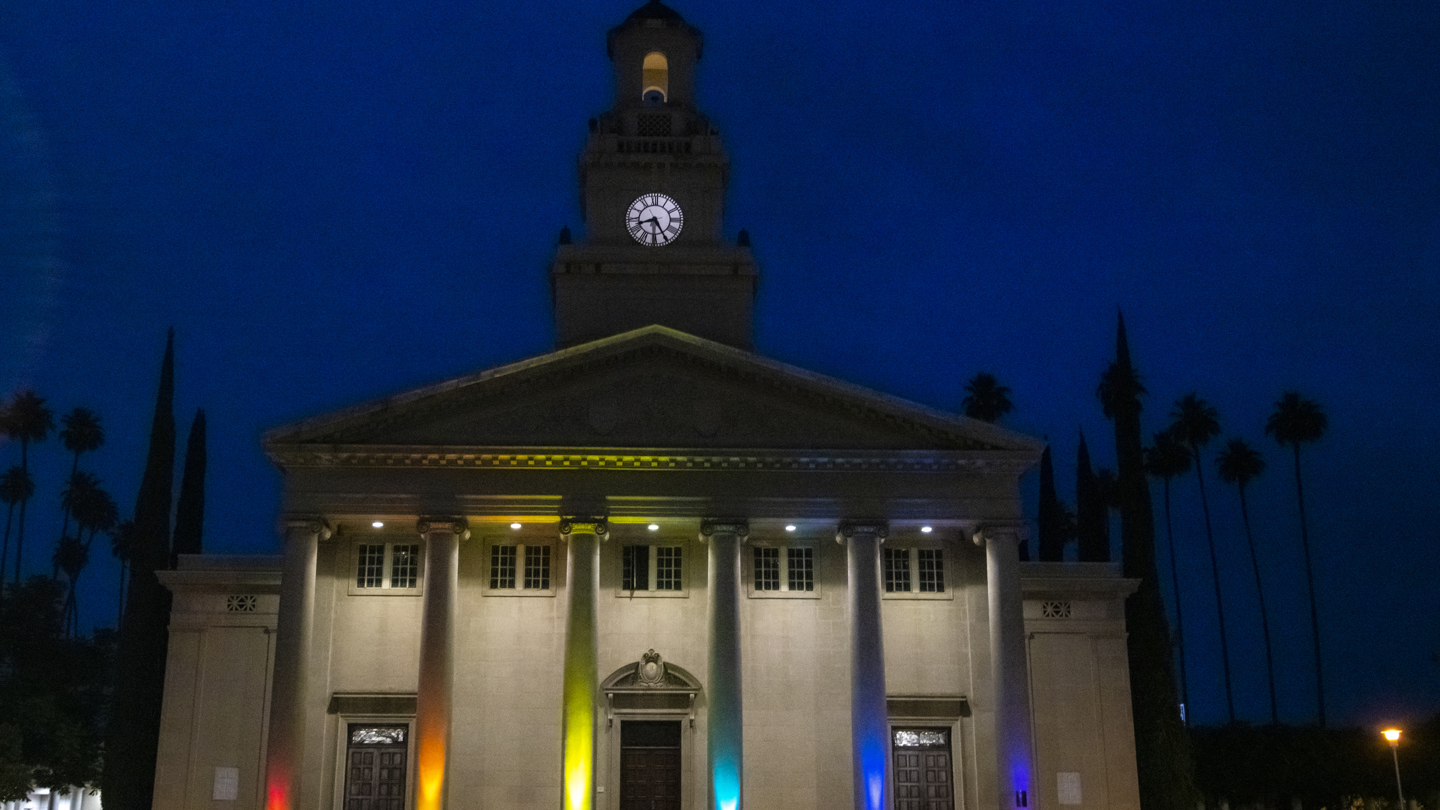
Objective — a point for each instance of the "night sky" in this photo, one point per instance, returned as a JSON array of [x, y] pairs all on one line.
[[334, 201]]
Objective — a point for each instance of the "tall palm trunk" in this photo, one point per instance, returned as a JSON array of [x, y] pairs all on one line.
[[120, 609], [5, 553], [1179, 614], [1264, 616], [1310, 582], [1215, 574], [20, 542]]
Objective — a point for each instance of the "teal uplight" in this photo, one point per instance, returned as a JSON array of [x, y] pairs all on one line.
[[725, 780]]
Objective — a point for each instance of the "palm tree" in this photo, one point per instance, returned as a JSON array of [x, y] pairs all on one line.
[[16, 486], [95, 511], [1167, 459], [77, 496], [1298, 421], [986, 399], [1196, 423], [71, 557], [81, 433], [122, 544], [26, 420], [1239, 464]]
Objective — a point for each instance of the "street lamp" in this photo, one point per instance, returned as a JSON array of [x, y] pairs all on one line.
[[1393, 735]]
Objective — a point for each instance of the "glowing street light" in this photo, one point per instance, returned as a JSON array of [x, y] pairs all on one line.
[[1393, 735]]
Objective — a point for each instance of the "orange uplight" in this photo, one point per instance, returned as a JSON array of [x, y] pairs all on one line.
[[277, 797], [431, 772], [1392, 734]]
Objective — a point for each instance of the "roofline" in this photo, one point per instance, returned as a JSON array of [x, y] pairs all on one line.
[[1007, 439]]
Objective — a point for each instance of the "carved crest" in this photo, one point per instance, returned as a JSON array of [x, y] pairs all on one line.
[[651, 670]]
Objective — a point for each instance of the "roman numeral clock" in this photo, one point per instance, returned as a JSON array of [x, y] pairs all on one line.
[[654, 219]]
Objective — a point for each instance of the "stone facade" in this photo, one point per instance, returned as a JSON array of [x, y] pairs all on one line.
[[648, 569]]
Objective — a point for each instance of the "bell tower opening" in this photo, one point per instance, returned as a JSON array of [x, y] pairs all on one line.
[[655, 76]]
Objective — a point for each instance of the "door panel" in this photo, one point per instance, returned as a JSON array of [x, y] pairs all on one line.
[[923, 772], [650, 773]]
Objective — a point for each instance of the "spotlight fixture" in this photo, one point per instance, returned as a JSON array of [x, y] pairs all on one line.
[[514, 525], [379, 524], [654, 527], [926, 530], [790, 528]]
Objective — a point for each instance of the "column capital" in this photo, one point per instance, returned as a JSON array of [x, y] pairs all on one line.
[[740, 527], [1012, 530], [588, 524], [314, 524], [443, 523], [880, 529]]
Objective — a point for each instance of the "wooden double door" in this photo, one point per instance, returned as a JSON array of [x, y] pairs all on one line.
[[924, 775], [649, 765]]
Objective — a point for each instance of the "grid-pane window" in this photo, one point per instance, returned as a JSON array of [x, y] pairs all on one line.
[[767, 569], [537, 567], [635, 568], [370, 572], [405, 566], [801, 576], [932, 570], [897, 570], [667, 568], [502, 566]]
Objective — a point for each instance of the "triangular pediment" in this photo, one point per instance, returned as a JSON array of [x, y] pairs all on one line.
[[650, 388]]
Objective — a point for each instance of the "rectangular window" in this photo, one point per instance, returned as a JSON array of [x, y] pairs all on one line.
[[537, 567], [502, 566], [667, 568], [405, 566], [652, 569], [932, 570], [635, 569], [897, 570], [801, 576], [370, 573], [387, 568], [767, 569]]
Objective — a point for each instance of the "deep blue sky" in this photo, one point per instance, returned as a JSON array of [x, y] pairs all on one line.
[[335, 201]]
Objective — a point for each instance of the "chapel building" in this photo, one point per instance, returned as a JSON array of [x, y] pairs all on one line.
[[651, 569]]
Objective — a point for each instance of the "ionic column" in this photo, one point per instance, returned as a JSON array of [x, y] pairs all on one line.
[[285, 748], [1010, 670], [437, 656], [582, 677], [869, 719], [723, 720]]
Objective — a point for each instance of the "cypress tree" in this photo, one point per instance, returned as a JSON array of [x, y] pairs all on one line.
[[1051, 521], [1162, 747], [1092, 524], [133, 736], [190, 509]]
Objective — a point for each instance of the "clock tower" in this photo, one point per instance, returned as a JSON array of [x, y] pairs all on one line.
[[652, 194]]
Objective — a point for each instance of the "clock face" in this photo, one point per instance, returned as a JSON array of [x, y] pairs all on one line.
[[654, 219]]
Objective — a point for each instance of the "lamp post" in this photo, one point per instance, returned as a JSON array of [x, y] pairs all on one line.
[[1393, 735]]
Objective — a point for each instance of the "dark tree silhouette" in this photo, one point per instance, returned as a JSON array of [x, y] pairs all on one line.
[[134, 728], [16, 486], [1107, 490], [1091, 522], [1051, 522], [1167, 459], [190, 509], [1296, 421], [71, 557], [1162, 747], [986, 399], [1196, 423], [122, 541], [27, 420], [1239, 464], [81, 433], [95, 511], [81, 489]]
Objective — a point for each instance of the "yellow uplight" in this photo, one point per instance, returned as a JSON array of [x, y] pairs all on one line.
[[1392, 734]]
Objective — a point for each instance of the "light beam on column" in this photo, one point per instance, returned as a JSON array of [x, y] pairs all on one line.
[[725, 733], [581, 660], [437, 642], [869, 721], [285, 753], [1013, 745]]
